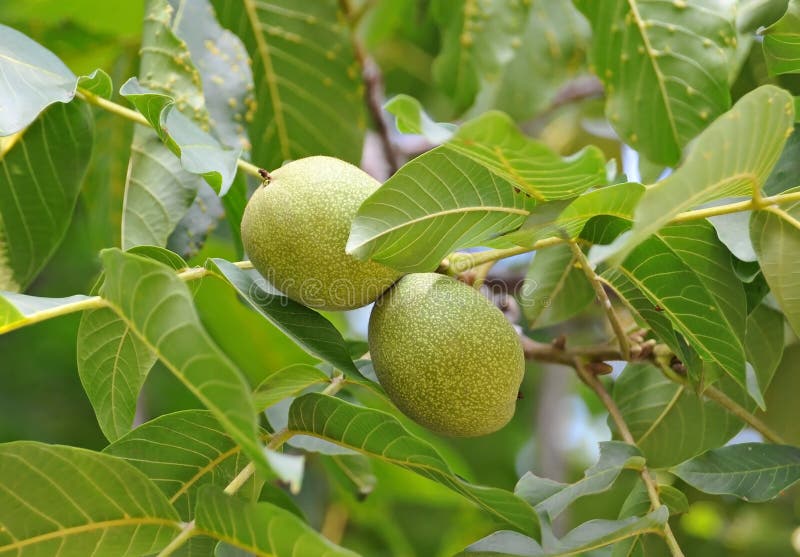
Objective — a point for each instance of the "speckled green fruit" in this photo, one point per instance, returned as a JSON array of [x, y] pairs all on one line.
[[445, 355], [295, 229]]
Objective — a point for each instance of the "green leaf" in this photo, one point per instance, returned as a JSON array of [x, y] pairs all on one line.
[[782, 42], [776, 236], [478, 39], [18, 310], [380, 435], [158, 192], [411, 118], [665, 68], [551, 497], [113, 364], [180, 453], [40, 178], [670, 422], [434, 204], [551, 219], [638, 502], [66, 501], [554, 289], [733, 157], [199, 152], [781, 397], [763, 344], [494, 141], [261, 528], [754, 472], [158, 307], [98, 83], [552, 48], [285, 383], [307, 79], [686, 272], [310, 330], [33, 78], [356, 473], [586, 537], [199, 221]]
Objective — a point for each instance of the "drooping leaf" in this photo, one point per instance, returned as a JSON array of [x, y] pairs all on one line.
[[584, 538], [66, 501], [199, 152], [199, 221], [733, 157], [551, 497], [307, 79], [287, 382], [356, 472], [554, 289], [763, 343], [380, 435], [776, 236], [158, 307], [478, 39], [315, 334], [181, 452], [113, 364], [751, 471], [261, 528], [436, 203], [665, 68], [40, 177], [782, 42]]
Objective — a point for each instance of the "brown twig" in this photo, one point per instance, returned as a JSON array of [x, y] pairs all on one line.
[[373, 82], [616, 415]]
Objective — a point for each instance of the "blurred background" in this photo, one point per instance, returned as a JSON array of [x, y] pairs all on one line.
[[558, 423]]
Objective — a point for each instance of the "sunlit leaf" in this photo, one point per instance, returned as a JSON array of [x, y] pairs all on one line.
[[751, 471], [65, 501], [665, 68], [379, 435], [733, 157], [17, 310], [411, 118], [436, 203]]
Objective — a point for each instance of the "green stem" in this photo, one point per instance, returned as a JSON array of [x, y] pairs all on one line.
[[179, 540], [95, 302], [133, 116]]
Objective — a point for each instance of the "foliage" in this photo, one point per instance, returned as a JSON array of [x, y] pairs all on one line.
[[221, 417]]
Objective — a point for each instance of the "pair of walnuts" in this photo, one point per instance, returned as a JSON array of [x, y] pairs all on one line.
[[443, 353]]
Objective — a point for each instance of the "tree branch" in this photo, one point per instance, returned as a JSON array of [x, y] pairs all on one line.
[[613, 410]]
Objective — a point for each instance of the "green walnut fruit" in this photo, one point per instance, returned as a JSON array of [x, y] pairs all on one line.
[[295, 229], [445, 355]]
